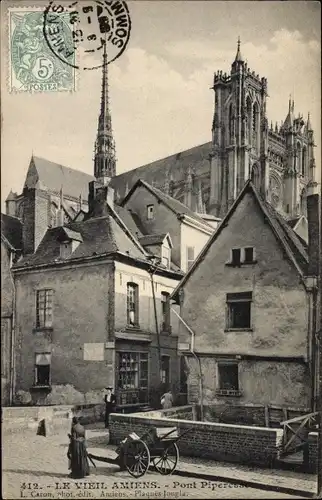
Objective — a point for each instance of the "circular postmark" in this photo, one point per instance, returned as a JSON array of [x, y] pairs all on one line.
[[90, 24]]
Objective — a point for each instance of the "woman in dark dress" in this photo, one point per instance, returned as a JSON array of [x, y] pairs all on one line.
[[77, 451], [110, 404]]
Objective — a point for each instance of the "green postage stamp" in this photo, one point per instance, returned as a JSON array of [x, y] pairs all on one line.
[[33, 66]]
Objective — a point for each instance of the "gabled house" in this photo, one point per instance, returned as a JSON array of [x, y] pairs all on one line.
[[161, 214], [92, 310], [11, 248], [248, 313]]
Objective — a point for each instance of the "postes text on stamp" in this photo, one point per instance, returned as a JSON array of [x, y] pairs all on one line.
[[32, 65]]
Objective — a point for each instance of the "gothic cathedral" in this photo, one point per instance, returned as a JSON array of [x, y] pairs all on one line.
[[279, 159]]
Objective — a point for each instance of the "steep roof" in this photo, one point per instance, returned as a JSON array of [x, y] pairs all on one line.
[[50, 175], [152, 239], [293, 245], [11, 230], [176, 206], [175, 167], [100, 235]]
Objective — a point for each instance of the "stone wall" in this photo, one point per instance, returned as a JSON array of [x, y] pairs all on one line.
[[225, 442]]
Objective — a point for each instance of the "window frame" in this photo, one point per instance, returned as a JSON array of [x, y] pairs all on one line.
[[37, 366], [135, 289], [167, 250], [165, 312], [190, 261], [126, 391], [243, 261], [150, 211], [220, 391], [168, 357], [238, 298], [45, 323]]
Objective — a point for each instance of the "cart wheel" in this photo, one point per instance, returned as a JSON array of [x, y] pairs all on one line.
[[167, 462], [136, 458]]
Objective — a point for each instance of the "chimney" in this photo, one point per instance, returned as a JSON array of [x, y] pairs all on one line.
[[314, 228], [99, 197]]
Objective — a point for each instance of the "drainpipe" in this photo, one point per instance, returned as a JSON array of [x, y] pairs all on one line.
[[12, 340], [192, 351], [152, 271]]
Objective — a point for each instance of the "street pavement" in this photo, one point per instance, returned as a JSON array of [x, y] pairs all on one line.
[[36, 467]]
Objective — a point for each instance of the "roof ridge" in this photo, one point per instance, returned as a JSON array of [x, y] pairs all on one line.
[[61, 165], [164, 158]]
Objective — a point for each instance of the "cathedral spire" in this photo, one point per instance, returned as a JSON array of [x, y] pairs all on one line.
[[238, 57], [105, 160]]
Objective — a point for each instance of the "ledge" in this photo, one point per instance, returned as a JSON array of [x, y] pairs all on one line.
[[242, 264], [44, 388], [43, 329], [228, 392], [238, 330]]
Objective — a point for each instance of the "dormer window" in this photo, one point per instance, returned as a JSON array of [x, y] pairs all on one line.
[[69, 241], [67, 248], [150, 212], [166, 256]]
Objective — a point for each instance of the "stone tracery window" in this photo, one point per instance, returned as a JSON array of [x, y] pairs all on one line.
[[298, 157], [231, 123], [275, 191], [304, 162]]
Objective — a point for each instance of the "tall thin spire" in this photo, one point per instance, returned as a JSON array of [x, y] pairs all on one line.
[[238, 57], [105, 159]]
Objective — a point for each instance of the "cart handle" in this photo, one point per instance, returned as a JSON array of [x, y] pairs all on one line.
[[173, 430]]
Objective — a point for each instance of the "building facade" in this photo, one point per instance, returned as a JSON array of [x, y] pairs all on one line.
[[11, 249], [248, 313], [92, 311]]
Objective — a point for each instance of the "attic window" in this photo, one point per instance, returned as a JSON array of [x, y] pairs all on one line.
[[150, 211], [67, 248], [166, 256]]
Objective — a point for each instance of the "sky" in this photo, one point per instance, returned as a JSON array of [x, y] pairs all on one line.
[[160, 87]]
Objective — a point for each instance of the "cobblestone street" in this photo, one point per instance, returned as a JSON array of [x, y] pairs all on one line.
[[36, 467]]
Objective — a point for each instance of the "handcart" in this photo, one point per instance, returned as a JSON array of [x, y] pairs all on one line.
[[156, 447]]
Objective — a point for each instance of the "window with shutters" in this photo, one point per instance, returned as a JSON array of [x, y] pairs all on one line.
[[44, 308]]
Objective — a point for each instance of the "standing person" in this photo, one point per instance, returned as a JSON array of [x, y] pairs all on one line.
[[110, 404], [167, 400], [77, 451]]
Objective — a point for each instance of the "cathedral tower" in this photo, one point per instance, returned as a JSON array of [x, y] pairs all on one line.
[[105, 159], [101, 193], [240, 134]]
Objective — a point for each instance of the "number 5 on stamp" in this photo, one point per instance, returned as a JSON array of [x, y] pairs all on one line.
[[32, 65]]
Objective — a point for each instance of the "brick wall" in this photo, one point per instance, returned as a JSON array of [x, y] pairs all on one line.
[[232, 443], [250, 414]]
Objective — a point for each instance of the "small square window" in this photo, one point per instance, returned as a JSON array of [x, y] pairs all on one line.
[[150, 212], [249, 255]]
